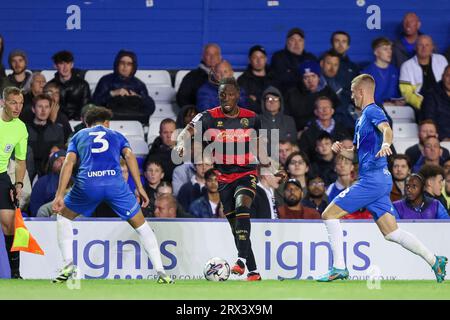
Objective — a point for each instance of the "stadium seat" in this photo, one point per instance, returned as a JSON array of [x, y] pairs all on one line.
[[153, 129], [93, 77], [445, 144], [74, 123], [9, 71], [401, 113], [405, 130], [179, 77], [130, 129], [164, 110], [401, 144], [154, 78], [162, 94], [48, 74], [139, 147]]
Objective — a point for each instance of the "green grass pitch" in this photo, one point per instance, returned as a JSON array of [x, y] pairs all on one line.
[[229, 290]]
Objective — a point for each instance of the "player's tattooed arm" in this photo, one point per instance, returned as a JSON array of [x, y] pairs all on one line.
[[388, 137]]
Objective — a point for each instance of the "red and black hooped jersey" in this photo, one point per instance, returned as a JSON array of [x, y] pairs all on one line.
[[233, 141]]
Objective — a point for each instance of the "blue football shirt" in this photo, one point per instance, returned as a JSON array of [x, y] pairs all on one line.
[[99, 151], [368, 138]]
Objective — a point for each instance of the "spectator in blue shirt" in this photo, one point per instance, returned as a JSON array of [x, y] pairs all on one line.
[[344, 169], [208, 205], [386, 75], [432, 154], [208, 93], [195, 188], [316, 197]]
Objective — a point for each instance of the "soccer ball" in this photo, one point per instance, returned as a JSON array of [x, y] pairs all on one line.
[[216, 269]]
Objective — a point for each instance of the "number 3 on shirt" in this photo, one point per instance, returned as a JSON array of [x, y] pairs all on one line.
[[99, 139]]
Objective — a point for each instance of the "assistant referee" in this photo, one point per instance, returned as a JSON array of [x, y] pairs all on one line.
[[13, 138]]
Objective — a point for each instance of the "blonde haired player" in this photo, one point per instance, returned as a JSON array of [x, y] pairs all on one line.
[[373, 139]]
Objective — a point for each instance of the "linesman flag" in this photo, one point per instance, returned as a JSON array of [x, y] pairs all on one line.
[[23, 240]]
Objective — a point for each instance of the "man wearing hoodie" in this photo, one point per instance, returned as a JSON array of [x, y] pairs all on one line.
[[187, 93], [257, 77], [285, 62], [123, 93], [300, 99], [273, 117]]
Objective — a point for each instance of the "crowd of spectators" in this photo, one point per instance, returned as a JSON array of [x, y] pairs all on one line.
[[306, 98]]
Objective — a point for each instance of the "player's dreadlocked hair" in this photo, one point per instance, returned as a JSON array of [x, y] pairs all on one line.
[[97, 114], [229, 81]]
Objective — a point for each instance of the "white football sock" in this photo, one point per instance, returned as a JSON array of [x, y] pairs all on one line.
[[65, 238], [150, 244], [411, 243], [336, 239]]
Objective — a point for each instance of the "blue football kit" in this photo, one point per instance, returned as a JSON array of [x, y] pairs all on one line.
[[99, 176], [372, 190]]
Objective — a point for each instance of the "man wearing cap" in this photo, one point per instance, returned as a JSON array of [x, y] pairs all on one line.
[[300, 100], [292, 208], [273, 117], [385, 74], [257, 77], [20, 78], [45, 188], [74, 91], [285, 62]]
